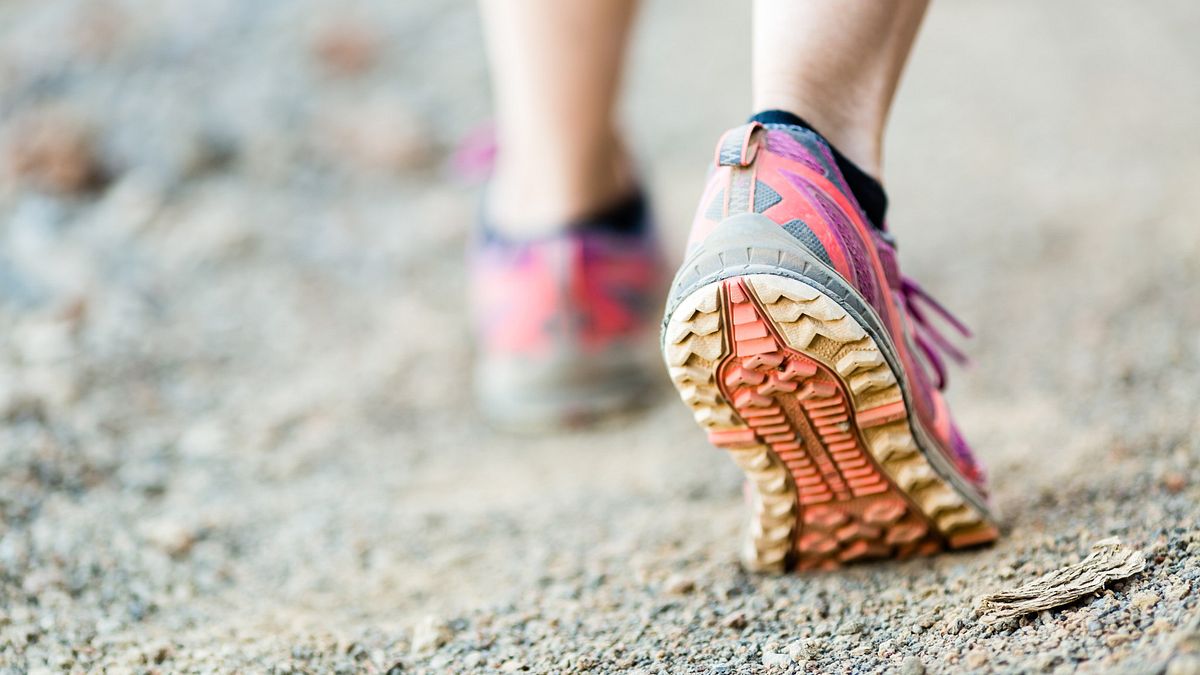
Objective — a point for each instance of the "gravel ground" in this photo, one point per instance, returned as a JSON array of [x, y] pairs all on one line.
[[234, 428]]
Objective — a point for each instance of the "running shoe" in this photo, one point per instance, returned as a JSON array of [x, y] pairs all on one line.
[[801, 350], [564, 323]]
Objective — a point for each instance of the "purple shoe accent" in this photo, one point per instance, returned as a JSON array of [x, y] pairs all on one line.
[[785, 144], [930, 340], [887, 259], [965, 456], [844, 231]]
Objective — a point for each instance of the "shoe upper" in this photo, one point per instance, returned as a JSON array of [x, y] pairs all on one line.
[[789, 175], [557, 317], [581, 288]]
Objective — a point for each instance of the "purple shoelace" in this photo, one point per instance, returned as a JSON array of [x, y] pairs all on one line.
[[929, 339]]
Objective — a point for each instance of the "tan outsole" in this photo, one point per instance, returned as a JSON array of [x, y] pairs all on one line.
[[781, 376]]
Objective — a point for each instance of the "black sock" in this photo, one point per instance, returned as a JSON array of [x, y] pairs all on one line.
[[627, 216], [867, 190]]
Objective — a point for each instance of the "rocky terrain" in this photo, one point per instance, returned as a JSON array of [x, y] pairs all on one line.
[[235, 432]]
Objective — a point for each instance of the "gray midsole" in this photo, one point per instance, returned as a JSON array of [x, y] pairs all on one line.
[[724, 254]]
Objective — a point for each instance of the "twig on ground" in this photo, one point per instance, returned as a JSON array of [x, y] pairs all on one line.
[[1108, 562]]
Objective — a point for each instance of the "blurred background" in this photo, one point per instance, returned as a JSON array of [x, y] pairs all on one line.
[[235, 427]]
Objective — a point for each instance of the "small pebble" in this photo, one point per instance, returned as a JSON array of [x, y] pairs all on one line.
[[804, 650], [430, 634], [346, 47], [912, 665], [776, 660], [1174, 482], [679, 584], [1144, 600], [53, 150], [1117, 639], [736, 621], [850, 628]]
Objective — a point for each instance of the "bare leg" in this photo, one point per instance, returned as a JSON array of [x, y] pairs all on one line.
[[556, 72], [835, 64]]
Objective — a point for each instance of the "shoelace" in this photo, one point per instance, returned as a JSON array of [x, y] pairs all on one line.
[[475, 155], [929, 339]]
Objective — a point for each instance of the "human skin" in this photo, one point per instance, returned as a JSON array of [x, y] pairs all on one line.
[[556, 72], [556, 67]]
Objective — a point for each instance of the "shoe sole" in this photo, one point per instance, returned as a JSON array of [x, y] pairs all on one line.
[[568, 410], [801, 395], [573, 392]]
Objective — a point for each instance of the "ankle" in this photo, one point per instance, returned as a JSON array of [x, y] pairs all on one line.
[[854, 129], [866, 189], [543, 188]]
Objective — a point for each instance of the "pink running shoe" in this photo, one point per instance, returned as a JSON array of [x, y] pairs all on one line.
[[801, 350], [564, 324]]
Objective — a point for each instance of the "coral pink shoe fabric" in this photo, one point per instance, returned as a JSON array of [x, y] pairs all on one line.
[[582, 289]]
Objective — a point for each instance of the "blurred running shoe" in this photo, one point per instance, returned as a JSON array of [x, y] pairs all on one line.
[[564, 322]]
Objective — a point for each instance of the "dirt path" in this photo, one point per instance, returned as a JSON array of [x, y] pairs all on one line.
[[234, 430]]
